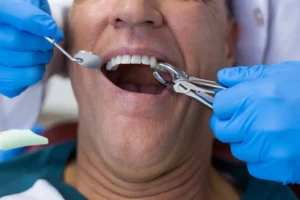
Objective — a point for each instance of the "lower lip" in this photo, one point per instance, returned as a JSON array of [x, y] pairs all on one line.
[[134, 96]]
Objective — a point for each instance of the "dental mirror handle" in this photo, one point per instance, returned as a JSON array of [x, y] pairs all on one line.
[[52, 41]]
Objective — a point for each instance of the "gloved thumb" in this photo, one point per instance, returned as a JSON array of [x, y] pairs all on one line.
[[235, 75]]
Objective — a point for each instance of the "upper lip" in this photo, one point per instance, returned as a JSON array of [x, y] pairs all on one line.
[[142, 51]]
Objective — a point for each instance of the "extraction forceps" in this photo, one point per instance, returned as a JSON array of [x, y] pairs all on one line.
[[84, 58], [189, 86]]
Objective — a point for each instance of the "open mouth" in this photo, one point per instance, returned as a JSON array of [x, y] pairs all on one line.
[[133, 73]]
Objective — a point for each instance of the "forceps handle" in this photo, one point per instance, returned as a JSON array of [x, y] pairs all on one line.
[[189, 89], [205, 99], [52, 41], [199, 92], [206, 84], [202, 97]]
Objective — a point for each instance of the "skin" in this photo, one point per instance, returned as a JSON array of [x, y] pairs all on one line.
[[143, 146]]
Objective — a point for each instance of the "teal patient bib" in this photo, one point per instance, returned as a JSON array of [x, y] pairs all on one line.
[[47, 166]]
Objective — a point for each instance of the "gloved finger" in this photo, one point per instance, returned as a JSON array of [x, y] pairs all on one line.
[[18, 78], [227, 131], [246, 144], [249, 151], [28, 17], [228, 102], [13, 39], [235, 75], [274, 171], [42, 4], [24, 58], [12, 93]]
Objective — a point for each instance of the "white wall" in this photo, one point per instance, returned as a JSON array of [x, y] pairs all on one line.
[[59, 98]]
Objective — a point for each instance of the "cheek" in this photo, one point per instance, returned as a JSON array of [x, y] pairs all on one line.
[[83, 84], [200, 38], [86, 24], [78, 81]]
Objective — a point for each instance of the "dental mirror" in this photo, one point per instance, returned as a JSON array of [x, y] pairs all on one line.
[[84, 58], [88, 59]]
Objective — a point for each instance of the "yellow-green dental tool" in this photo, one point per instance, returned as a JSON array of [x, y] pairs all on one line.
[[16, 138]]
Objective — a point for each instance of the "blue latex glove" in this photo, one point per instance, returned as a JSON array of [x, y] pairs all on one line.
[[259, 115], [23, 50]]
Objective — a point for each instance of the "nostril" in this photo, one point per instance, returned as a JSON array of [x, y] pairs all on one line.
[[117, 22], [150, 22]]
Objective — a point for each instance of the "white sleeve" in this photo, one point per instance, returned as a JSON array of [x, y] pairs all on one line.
[[253, 18], [284, 41], [59, 10], [269, 31], [22, 111]]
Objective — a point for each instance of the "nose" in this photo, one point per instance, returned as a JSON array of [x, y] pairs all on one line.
[[135, 13]]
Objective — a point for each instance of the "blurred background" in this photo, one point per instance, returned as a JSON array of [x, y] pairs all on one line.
[[60, 104]]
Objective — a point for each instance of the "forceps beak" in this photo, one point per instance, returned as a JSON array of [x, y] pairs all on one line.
[[175, 73]]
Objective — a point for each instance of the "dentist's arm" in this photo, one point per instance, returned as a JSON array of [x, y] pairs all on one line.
[[259, 115], [23, 50]]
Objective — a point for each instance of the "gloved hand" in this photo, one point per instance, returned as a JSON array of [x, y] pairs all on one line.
[[259, 115], [23, 50]]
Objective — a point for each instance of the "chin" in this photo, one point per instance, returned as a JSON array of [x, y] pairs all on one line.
[[137, 143]]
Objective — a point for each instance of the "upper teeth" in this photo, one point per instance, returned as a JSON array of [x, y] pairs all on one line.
[[114, 63]]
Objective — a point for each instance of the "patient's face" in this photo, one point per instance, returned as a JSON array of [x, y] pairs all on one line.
[[127, 117]]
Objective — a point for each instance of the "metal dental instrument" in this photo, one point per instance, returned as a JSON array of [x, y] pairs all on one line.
[[190, 86], [83, 58]]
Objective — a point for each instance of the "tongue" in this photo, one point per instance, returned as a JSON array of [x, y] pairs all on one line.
[[147, 89]]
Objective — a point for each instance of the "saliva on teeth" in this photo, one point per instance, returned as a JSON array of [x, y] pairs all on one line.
[[114, 63]]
